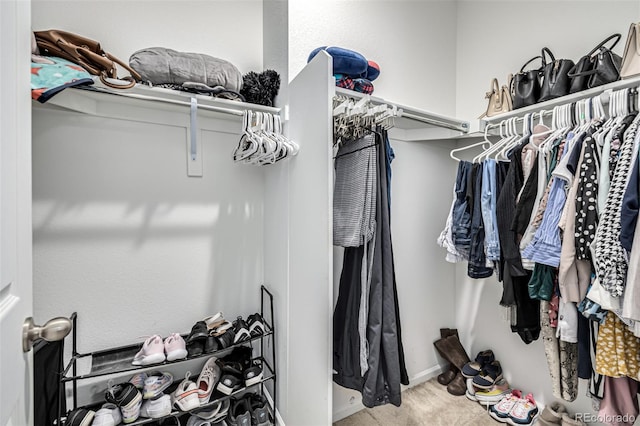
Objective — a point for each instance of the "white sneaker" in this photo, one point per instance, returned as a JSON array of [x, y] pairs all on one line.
[[185, 397], [156, 408], [108, 415], [208, 380], [175, 347], [152, 352]]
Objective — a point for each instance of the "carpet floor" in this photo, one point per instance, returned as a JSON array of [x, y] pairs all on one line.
[[426, 404]]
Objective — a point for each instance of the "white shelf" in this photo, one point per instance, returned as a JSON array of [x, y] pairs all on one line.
[[548, 105], [86, 99], [415, 124]]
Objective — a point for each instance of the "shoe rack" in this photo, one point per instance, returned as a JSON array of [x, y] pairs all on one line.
[[115, 361]]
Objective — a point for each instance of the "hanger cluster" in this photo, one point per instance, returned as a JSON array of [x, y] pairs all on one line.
[[352, 118], [262, 141], [564, 118]]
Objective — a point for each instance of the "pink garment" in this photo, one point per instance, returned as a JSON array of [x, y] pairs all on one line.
[[619, 407]]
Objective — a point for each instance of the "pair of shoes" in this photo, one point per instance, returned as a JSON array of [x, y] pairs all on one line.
[[154, 350], [552, 414], [214, 321], [257, 326], [251, 409], [204, 339], [155, 384], [107, 415], [235, 376], [157, 407], [128, 398], [446, 377], [473, 368], [514, 409], [241, 331], [452, 350], [492, 395], [489, 375], [80, 417]]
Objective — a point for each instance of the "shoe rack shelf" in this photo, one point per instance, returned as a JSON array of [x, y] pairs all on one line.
[[118, 360]]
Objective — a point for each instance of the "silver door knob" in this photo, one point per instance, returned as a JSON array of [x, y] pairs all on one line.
[[55, 329]]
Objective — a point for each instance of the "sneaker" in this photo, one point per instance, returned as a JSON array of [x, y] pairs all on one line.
[[256, 325], [253, 374], [152, 352], [156, 384], [239, 413], [473, 368], [524, 412], [197, 421], [214, 320], [231, 377], [223, 413], [500, 411], [208, 380], [80, 417], [156, 408], [196, 339], [241, 331], [107, 415], [175, 347], [260, 410], [494, 394], [222, 328], [127, 397], [185, 397], [471, 390], [488, 376], [211, 344], [138, 380], [226, 339]]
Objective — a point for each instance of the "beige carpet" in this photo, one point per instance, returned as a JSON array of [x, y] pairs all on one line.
[[426, 404]]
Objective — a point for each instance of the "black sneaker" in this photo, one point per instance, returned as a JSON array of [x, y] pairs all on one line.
[[230, 377], [253, 374], [239, 413], [241, 331], [80, 417], [256, 325], [260, 410], [226, 339], [197, 339]]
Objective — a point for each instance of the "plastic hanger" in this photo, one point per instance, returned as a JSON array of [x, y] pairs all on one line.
[[464, 148]]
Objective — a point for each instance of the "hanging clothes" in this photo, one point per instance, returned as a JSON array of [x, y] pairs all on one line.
[[386, 370]]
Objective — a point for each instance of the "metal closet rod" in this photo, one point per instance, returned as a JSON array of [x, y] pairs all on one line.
[[168, 101]]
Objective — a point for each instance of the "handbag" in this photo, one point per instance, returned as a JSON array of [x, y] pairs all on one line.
[[631, 57], [88, 54], [499, 99], [555, 76], [526, 86], [598, 67]]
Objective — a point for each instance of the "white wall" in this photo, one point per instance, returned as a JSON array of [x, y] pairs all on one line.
[[226, 29], [495, 38], [412, 41]]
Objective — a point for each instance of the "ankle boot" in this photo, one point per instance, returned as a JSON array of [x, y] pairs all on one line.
[[458, 385]]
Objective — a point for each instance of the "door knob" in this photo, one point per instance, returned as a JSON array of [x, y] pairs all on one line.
[[55, 329]]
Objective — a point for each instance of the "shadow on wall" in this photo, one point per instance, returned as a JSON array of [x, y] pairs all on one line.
[[126, 239]]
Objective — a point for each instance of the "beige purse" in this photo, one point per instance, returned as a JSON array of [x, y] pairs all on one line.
[[499, 98], [631, 59]]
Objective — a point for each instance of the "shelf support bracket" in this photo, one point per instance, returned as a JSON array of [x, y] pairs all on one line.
[[194, 143]]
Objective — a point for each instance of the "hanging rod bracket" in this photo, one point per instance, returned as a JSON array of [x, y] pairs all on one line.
[[194, 142]]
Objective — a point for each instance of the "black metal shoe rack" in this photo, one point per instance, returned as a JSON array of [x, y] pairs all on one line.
[[118, 360]]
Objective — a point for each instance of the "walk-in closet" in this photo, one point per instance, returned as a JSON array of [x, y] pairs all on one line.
[[138, 219]]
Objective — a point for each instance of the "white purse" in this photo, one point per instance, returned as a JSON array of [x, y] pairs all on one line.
[[631, 59]]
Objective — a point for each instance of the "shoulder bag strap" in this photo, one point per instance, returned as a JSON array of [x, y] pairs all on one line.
[[529, 61]]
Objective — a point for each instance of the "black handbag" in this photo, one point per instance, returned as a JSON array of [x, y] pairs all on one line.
[[598, 67], [526, 86], [555, 76]]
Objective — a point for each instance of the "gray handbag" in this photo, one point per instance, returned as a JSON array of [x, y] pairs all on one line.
[[160, 65]]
